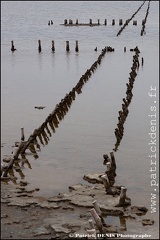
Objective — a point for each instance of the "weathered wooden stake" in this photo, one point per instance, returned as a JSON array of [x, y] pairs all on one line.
[[113, 160], [142, 61], [124, 49], [51, 22], [120, 22], [12, 46], [22, 134], [96, 207], [113, 21], [105, 22], [76, 48], [91, 224], [77, 21], [97, 219], [70, 21], [48, 22], [39, 46], [53, 48], [90, 21], [67, 46], [134, 22], [106, 182], [65, 21], [122, 196], [98, 22]]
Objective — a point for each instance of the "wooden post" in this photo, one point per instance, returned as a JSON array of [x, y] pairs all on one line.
[[122, 196], [39, 46], [22, 134], [98, 22], [120, 22], [142, 61], [113, 21], [113, 160], [105, 22], [90, 221], [77, 21], [134, 22], [124, 49], [53, 48], [76, 48], [12, 47], [67, 46], [51, 22], [106, 182], [90, 21], [48, 22], [70, 21], [143, 21], [96, 207], [97, 219], [65, 21]]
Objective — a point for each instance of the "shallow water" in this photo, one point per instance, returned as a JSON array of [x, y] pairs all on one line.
[[30, 79]]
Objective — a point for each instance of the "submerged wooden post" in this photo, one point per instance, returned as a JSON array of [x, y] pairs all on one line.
[[67, 46], [134, 22], [105, 22], [53, 48], [120, 22], [65, 21], [12, 46], [90, 21], [70, 21], [22, 134], [77, 21], [98, 22], [39, 46], [124, 49], [113, 21], [76, 48], [122, 196]]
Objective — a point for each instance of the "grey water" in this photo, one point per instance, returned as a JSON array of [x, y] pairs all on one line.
[[30, 78]]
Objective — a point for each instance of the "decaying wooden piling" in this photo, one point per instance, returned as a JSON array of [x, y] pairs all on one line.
[[22, 134], [134, 22], [90, 21], [76, 48], [67, 46], [65, 21], [122, 196], [113, 22], [12, 47], [120, 22], [39, 46], [53, 47], [105, 22]]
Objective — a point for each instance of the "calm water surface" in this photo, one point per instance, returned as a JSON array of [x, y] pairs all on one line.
[[30, 79]]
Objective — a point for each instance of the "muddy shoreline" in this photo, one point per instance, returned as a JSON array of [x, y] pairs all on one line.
[[65, 215]]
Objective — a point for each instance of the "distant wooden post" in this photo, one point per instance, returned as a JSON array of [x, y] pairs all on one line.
[[142, 61], [77, 21], [22, 134], [76, 48], [39, 46], [65, 21], [12, 47], [98, 22], [51, 22], [120, 22], [105, 22], [113, 21], [90, 21], [97, 219], [143, 22], [67, 46], [70, 21], [53, 48], [134, 22], [91, 224], [124, 49], [48, 22]]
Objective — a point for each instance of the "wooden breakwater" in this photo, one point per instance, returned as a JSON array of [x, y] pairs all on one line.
[[56, 115], [145, 20], [128, 20]]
